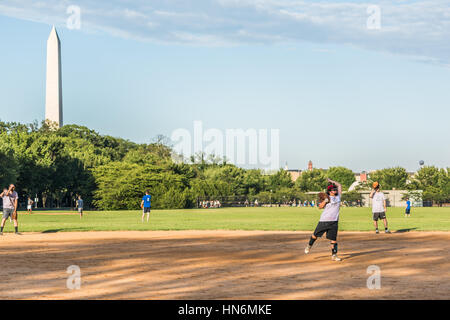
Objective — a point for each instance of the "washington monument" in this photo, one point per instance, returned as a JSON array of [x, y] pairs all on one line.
[[53, 96]]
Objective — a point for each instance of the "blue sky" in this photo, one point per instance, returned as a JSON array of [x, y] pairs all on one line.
[[339, 93]]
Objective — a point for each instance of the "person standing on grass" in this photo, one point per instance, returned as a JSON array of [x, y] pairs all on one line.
[[10, 202], [329, 219], [5, 190], [378, 207], [79, 205], [30, 205], [146, 205], [408, 208]]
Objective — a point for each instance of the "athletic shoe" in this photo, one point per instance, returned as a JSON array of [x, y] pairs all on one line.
[[1, 233], [308, 247], [377, 232], [387, 231], [18, 233], [335, 258]]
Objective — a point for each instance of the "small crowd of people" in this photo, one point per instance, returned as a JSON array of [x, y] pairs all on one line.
[[205, 204], [248, 204]]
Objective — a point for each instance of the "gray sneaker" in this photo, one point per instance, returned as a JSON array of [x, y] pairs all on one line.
[[308, 247], [335, 258], [387, 231], [377, 232]]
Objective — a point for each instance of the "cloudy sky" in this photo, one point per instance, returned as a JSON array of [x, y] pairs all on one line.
[[343, 87]]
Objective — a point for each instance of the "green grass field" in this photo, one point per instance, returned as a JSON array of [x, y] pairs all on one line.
[[289, 219]]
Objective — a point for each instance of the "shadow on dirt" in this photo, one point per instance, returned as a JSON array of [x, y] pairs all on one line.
[[404, 230]]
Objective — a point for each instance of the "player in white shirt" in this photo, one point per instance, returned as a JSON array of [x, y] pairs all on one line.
[[329, 219], [378, 207]]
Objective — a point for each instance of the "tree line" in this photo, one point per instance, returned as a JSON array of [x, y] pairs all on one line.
[[112, 173]]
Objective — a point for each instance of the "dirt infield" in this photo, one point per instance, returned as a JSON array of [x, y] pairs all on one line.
[[223, 265]]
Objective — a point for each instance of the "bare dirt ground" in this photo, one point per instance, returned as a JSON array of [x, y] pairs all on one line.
[[223, 265]]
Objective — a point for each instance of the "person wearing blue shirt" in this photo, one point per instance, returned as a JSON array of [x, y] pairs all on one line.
[[146, 205], [80, 205], [408, 208]]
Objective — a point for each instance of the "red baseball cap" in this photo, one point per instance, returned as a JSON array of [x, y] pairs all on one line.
[[331, 187]]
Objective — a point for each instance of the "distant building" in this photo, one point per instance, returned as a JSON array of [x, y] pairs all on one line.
[[295, 174], [361, 177]]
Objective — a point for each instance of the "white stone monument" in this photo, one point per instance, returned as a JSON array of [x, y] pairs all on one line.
[[53, 96]]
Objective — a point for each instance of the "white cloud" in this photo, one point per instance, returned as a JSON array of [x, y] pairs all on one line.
[[413, 28]]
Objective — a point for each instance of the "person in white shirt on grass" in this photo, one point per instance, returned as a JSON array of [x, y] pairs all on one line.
[[378, 207], [10, 203]]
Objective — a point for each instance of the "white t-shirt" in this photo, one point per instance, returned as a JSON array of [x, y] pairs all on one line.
[[9, 201], [378, 202], [331, 210]]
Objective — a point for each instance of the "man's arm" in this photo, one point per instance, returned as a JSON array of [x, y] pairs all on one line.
[[323, 204], [372, 193]]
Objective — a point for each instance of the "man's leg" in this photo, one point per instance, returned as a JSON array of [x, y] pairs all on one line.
[[148, 216], [318, 232], [332, 236], [375, 223], [312, 239], [2, 225], [334, 250], [16, 226], [386, 229]]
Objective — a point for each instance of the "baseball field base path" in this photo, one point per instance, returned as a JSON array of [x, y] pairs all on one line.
[[223, 265]]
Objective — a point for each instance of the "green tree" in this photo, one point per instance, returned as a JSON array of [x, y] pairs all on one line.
[[8, 169], [390, 178], [342, 175], [434, 182], [281, 179], [315, 180]]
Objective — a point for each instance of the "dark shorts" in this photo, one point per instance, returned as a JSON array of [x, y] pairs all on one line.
[[330, 227], [408, 211], [379, 215], [7, 213], [147, 210]]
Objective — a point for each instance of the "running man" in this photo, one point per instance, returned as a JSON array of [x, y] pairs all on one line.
[[329, 219], [408, 208], [80, 204], [378, 207], [10, 201], [146, 205]]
